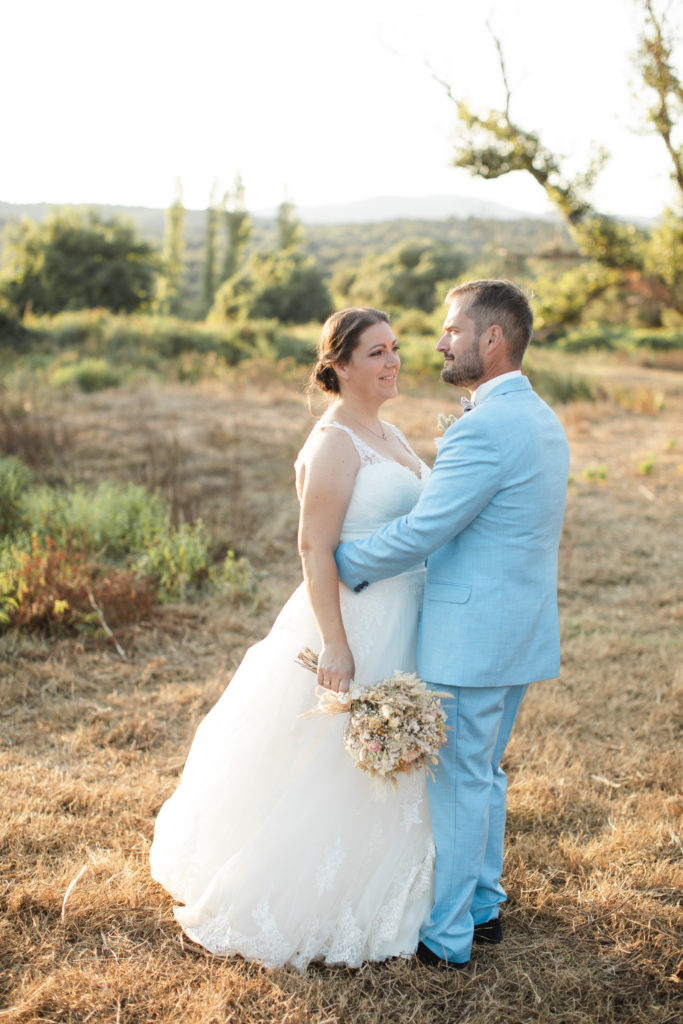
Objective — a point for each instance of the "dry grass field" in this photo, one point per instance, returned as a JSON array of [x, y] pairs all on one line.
[[91, 745]]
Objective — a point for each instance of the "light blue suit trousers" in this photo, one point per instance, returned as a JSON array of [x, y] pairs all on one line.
[[467, 806], [488, 523]]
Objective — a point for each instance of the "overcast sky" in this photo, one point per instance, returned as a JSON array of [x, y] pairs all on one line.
[[322, 102]]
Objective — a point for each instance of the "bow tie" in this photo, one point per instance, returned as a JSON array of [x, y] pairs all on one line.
[[467, 406]]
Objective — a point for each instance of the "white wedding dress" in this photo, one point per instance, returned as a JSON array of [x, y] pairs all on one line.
[[279, 847]]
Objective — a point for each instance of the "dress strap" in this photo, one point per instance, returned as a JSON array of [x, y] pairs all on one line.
[[367, 454]]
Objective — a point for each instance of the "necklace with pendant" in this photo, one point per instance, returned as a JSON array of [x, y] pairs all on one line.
[[382, 436]]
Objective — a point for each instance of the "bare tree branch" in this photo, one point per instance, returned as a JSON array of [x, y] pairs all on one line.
[[503, 72], [445, 85], [656, 63]]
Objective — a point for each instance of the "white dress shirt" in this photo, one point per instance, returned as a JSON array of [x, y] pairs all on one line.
[[480, 393]]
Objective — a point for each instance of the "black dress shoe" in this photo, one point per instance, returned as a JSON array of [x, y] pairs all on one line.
[[490, 932], [425, 956]]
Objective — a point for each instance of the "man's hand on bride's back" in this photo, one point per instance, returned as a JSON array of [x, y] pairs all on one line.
[[335, 667]]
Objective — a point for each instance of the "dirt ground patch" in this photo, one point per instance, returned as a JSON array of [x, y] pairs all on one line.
[[90, 745]]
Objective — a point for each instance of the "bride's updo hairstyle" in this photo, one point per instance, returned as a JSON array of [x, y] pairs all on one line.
[[339, 337]]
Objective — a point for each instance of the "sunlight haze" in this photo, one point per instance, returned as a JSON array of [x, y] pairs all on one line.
[[319, 102]]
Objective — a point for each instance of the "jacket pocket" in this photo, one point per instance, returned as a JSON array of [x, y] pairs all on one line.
[[451, 593]]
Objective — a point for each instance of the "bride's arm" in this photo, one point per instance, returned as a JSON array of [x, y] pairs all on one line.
[[330, 471]]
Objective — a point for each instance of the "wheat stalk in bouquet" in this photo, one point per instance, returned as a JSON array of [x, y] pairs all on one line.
[[397, 725]]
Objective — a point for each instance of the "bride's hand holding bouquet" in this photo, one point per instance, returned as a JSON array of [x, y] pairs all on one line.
[[395, 726]]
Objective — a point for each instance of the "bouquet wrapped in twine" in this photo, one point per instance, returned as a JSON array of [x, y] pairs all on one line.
[[397, 725]]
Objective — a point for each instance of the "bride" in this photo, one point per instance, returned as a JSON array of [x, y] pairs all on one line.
[[279, 848]]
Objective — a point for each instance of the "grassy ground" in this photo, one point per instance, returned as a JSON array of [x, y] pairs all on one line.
[[91, 745]]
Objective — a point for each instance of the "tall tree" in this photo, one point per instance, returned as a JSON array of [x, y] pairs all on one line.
[[657, 66], [237, 228], [405, 276], [286, 285], [209, 273], [493, 144], [290, 233], [168, 296], [655, 61], [75, 260]]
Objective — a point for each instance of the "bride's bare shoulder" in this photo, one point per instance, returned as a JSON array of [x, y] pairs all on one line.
[[329, 437], [328, 450]]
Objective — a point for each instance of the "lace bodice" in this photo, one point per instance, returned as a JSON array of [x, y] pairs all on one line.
[[384, 489]]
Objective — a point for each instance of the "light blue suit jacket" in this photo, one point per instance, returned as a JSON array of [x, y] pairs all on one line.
[[488, 522]]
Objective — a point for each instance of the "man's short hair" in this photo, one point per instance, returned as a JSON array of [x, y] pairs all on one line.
[[501, 303]]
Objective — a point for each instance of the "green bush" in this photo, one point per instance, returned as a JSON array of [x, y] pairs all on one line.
[[114, 521], [90, 374], [93, 343], [663, 341], [301, 350], [125, 525], [75, 260], [11, 331], [72, 330], [45, 512], [611, 338], [416, 321], [419, 358], [285, 285], [559, 388], [235, 578], [176, 560], [15, 480]]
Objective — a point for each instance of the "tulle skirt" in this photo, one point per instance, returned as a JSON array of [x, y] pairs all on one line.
[[279, 847]]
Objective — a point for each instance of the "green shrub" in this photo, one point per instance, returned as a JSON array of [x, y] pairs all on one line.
[[665, 341], [45, 512], [419, 358], [113, 521], [615, 338], [117, 521], [235, 578], [90, 374], [11, 331], [301, 350], [415, 321], [90, 530], [177, 560], [559, 388], [71, 330], [15, 480], [584, 339]]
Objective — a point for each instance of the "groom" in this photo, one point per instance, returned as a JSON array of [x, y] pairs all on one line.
[[488, 522]]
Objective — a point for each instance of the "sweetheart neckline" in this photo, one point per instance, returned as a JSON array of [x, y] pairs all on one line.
[[395, 462], [383, 458]]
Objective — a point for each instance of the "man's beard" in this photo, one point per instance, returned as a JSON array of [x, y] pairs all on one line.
[[467, 369]]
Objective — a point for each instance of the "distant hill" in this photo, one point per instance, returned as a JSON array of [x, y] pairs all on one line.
[[150, 221], [365, 211], [382, 208]]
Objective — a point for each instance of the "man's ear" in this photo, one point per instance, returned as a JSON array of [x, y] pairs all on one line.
[[495, 337]]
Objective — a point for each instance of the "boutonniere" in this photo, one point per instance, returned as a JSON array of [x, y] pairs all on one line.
[[443, 423]]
